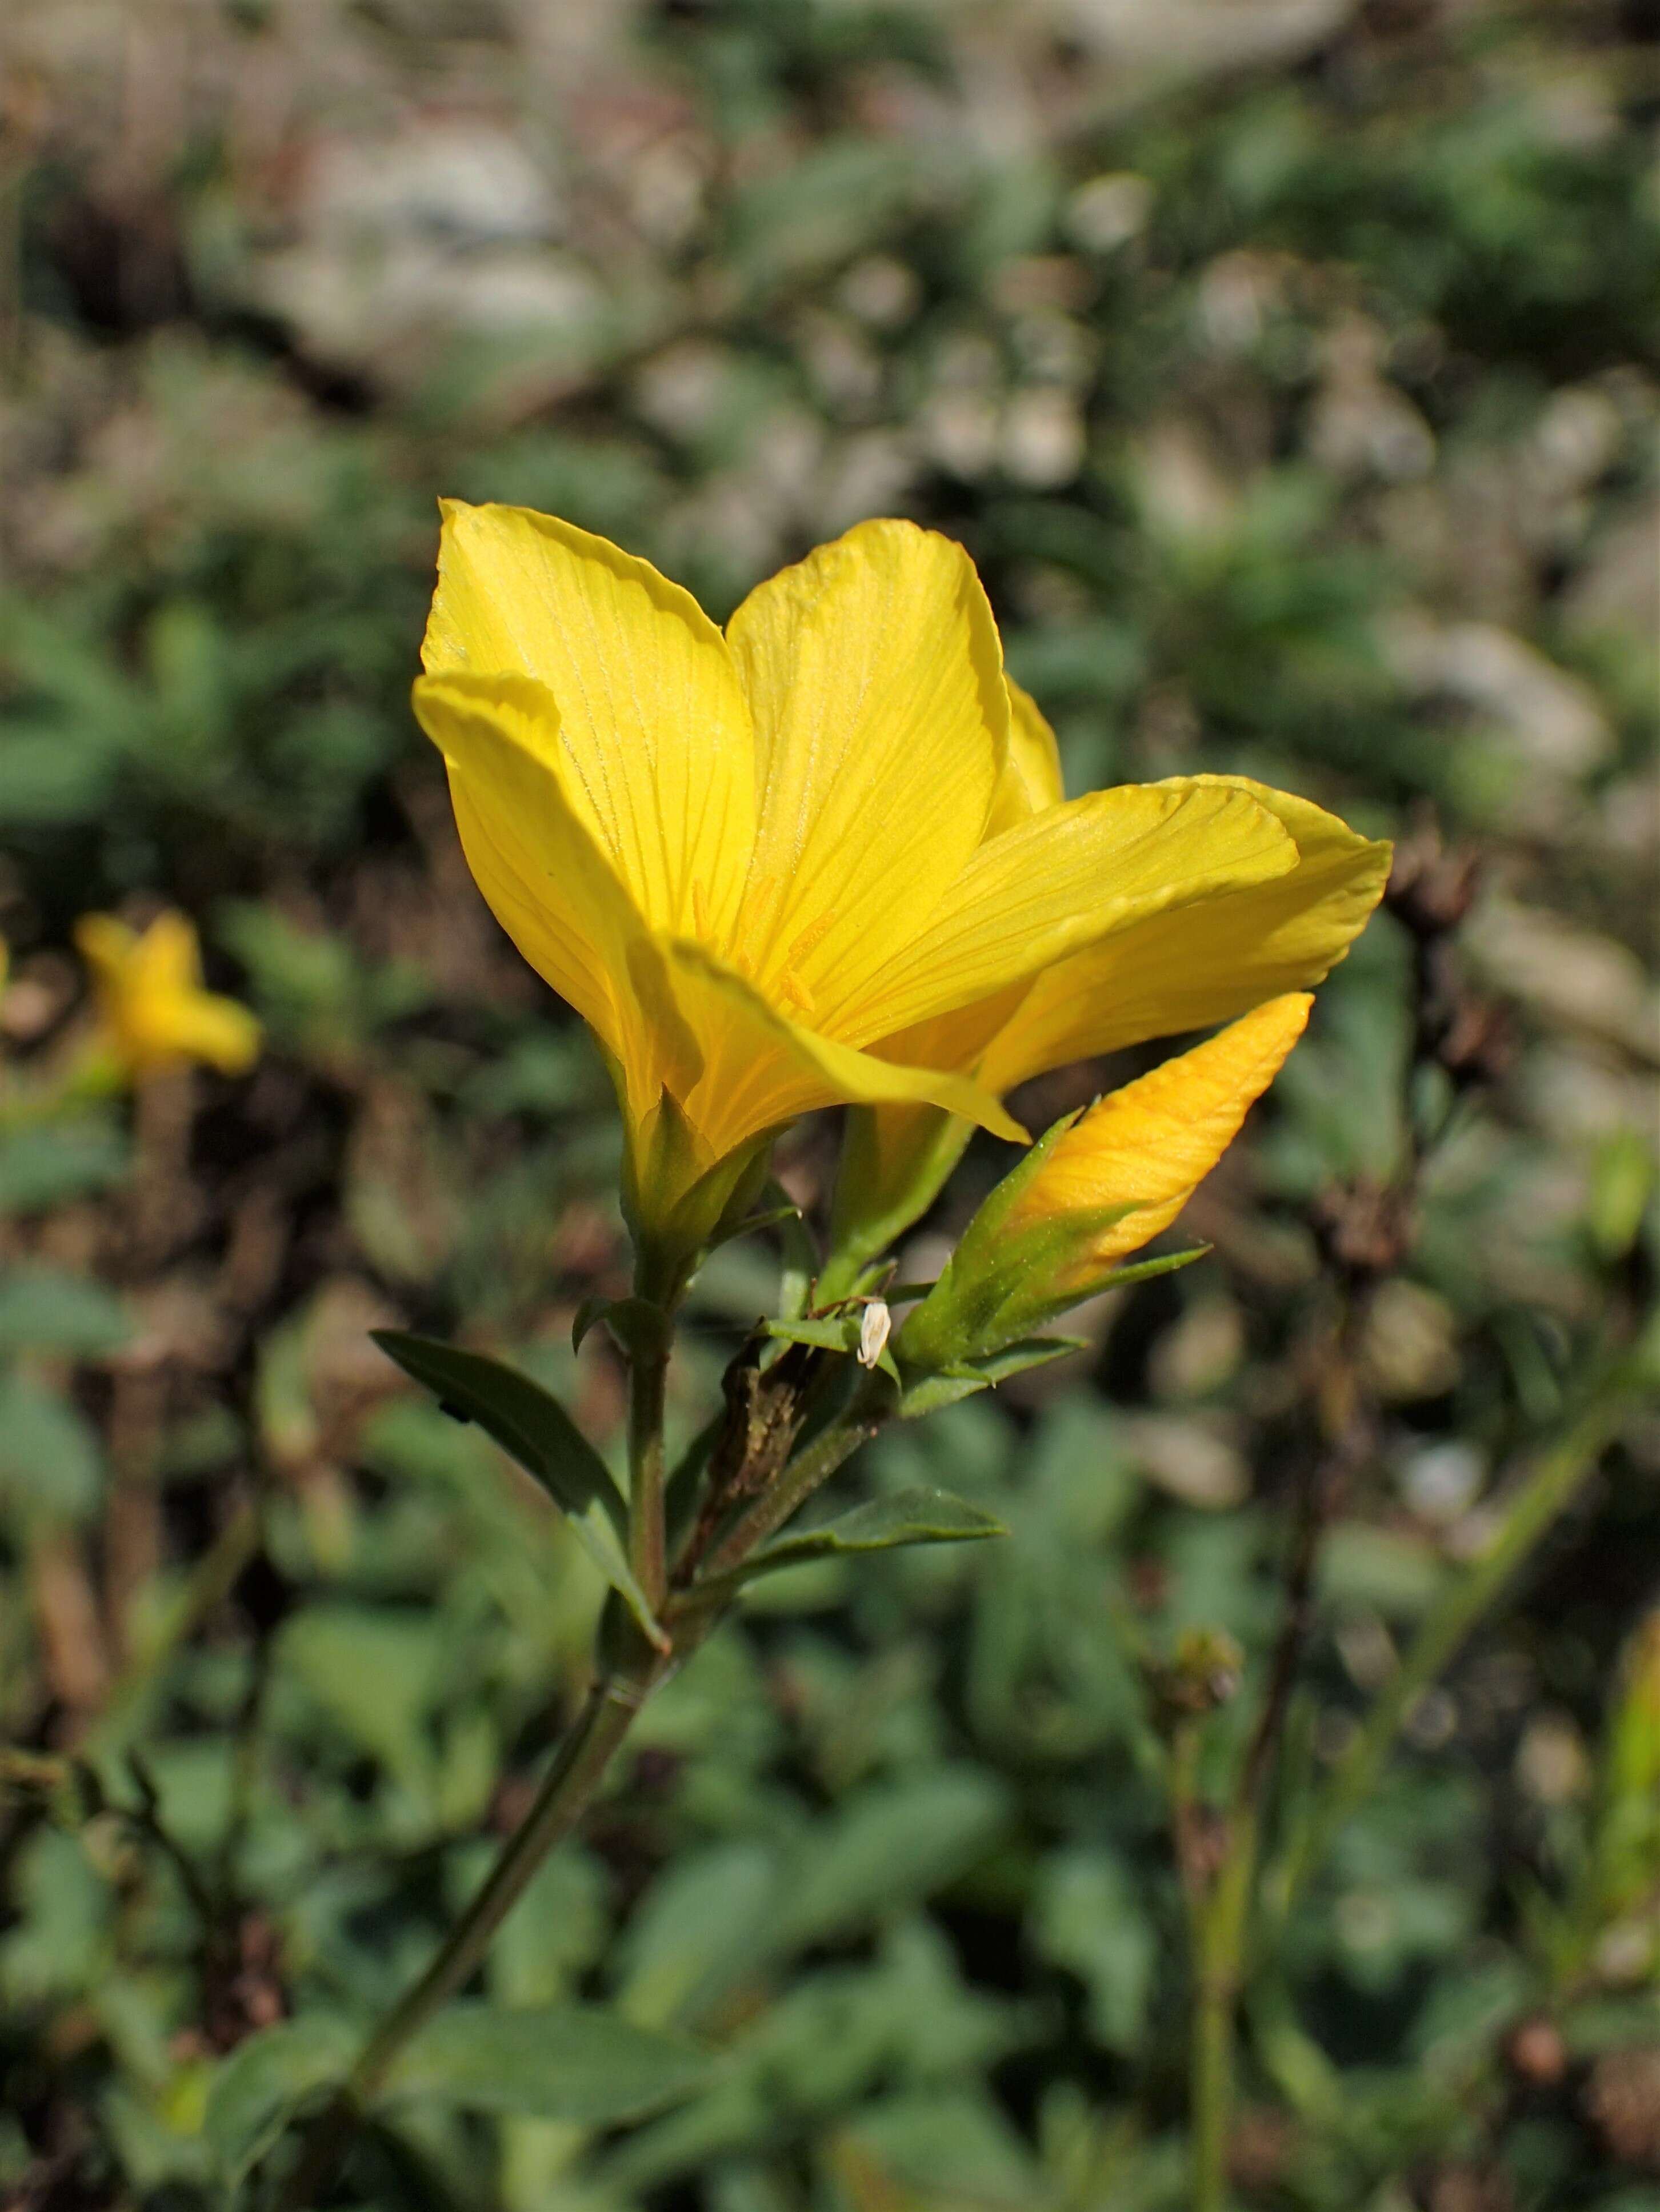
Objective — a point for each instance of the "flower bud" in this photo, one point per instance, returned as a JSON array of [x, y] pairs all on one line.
[[1096, 1188]]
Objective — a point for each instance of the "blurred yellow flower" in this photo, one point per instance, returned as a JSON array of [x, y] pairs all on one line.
[[1099, 1185], [819, 858], [152, 1010]]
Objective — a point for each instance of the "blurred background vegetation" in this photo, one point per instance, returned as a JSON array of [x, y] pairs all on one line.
[[1290, 369]]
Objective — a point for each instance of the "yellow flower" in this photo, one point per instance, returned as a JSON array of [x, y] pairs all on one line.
[[153, 1011], [820, 859], [1098, 1185]]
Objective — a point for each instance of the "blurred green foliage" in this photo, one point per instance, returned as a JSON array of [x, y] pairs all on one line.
[[1296, 391]]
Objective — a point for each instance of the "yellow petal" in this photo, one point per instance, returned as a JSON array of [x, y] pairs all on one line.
[[105, 945], [167, 957], [547, 880], [659, 755], [1189, 966], [1031, 773], [875, 677], [1149, 1145], [760, 1069], [203, 1025], [1072, 875]]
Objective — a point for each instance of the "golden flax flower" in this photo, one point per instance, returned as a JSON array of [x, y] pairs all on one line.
[[1098, 1185], [153, 1011], [822, 857]]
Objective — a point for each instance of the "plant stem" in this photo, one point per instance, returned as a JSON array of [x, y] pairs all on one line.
[[560, 1803], [648, 1367], [1221, 1918], [1548, 1493], [805, 1474]]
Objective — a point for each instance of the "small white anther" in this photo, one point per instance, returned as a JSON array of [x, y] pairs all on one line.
[[873, 1332]]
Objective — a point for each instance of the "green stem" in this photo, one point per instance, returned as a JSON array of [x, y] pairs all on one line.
[[561, 1802], [1557, 1480], [1221, 1920], [648, 1368]]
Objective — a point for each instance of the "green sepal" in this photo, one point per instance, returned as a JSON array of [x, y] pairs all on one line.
[[593, 1309], [968, 1375], [535, 1431], [1143, 1271], [877, 1198], [963, 1318], [1002, 1284], [678, 1207], [770, 1216], [995, 1312], [800, 1247], [919, 1515]]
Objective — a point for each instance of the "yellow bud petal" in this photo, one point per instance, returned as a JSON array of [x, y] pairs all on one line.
[[1148, 1146]]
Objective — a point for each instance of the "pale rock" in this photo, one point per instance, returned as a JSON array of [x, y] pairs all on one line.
[[1107, 211], [1570, 975], [1043, 439], [1195, 38], [1410, 1345], [1189, 1457], [881, 291], [1551, 1761], [1551, 720]]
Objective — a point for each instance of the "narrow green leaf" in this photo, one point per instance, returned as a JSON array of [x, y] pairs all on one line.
[[908, 1517], [528, 1422], [968, 1375], [256, 2090], [578, 2063], [1166, 1263], [603, 1545], [838, 1333], [800, 1249], [534, 1429], [592, 1310]]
